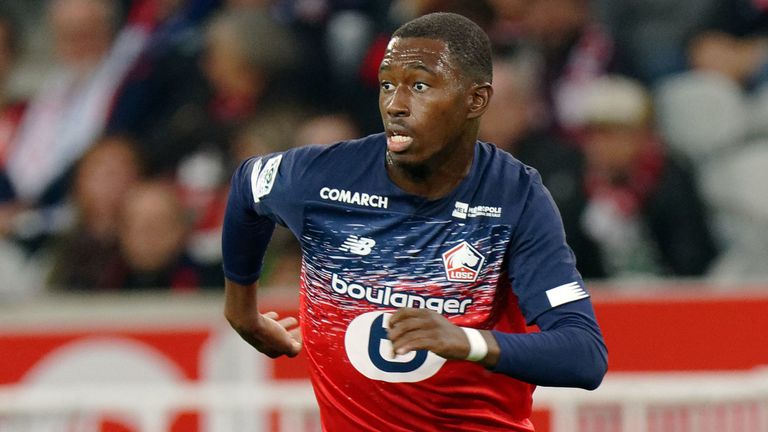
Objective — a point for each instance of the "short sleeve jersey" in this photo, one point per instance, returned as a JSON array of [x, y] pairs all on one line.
[[490, 255]]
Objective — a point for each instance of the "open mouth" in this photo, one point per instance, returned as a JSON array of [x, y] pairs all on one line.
[[398, 143]]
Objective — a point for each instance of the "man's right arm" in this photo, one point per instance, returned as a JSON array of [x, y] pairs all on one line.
[[265, 332], [245, 237]]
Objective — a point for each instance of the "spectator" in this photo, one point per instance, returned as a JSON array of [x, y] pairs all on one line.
[[207, 89], [87, 256], [742, 59], [18, 276], [576, 50], [10, 110], [266, 133], [10, 115], [162, 96], [514, 121], [69, 112], [735, 187], [326, 129], [153, 233], [651, 36], [644, 209]]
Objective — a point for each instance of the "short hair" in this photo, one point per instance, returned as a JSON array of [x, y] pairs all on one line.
[[467, 43]]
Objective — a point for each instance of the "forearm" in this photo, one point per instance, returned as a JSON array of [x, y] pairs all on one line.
[[266, 332], [240, 304], [568, 352]]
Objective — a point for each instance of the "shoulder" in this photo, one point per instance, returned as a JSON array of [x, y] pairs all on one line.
[[517, 188], [343, 152], [501, 168], [307, 165]]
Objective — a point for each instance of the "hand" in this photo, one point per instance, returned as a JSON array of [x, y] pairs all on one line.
[[272, 336], [264, 332], [414, 329]]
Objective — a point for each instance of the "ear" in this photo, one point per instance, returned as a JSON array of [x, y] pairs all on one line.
[[478, 99]]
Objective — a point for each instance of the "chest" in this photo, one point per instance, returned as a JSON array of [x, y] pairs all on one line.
[[360, 260]]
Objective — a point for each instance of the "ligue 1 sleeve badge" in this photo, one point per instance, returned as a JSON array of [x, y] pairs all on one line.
[[462, 263]]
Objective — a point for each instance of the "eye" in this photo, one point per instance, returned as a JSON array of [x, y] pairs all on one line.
[[387, 86], [420, 86]]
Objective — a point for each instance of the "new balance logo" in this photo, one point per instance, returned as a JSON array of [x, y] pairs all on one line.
[[358, 245]]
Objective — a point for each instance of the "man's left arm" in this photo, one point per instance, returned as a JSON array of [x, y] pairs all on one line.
[[568, 352]]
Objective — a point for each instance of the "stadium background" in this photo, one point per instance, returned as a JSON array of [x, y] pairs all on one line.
[[121, 121]]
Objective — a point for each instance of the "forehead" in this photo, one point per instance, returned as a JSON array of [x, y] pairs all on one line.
[[432, 54]]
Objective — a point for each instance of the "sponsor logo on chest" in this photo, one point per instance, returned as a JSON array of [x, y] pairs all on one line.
[[462, 210], [350, 197]]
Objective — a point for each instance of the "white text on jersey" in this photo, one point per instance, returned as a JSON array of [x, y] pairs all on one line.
[[385, 297], [349, 197], [463, 210]]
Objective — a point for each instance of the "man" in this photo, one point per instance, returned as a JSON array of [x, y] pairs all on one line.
[[413, 240], [636, 192]]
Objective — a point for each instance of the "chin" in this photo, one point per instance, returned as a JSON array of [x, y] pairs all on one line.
[[414, 167]]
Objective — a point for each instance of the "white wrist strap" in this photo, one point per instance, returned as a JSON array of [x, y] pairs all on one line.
[[478, 348]]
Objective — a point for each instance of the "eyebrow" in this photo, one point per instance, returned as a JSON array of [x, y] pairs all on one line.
[[411, 65]]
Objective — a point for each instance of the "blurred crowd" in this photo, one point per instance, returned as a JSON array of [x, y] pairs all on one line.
[[647, 119]]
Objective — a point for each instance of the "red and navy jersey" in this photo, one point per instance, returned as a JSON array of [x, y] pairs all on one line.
[[490, 255]]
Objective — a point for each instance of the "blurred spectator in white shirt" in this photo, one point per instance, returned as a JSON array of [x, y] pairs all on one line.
[[69, 111]]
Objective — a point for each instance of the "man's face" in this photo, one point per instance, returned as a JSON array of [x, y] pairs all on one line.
[[423, 101]]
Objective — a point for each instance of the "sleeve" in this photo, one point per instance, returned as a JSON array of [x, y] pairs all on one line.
[[542, 267], [568, 352], [259, 197]]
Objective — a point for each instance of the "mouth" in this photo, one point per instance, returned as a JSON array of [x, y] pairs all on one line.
[[398, 142]]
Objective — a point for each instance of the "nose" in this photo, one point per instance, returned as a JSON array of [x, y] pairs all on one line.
[[397, 105]]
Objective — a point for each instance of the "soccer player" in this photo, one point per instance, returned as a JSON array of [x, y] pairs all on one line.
[[425, 253]]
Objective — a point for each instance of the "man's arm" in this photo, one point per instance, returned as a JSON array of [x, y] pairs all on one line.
[[265, 332], [568, 352], [414, 329], [245, 237]]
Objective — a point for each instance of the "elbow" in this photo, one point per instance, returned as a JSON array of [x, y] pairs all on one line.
[[230, 318], [593, 380], [593, 377]]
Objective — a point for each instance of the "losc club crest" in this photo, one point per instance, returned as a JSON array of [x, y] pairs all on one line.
[[462, 263]]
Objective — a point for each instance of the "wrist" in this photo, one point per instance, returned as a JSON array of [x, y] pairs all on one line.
[[478, 347]]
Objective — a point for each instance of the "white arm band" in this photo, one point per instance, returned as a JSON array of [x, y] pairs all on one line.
[[478, 347]]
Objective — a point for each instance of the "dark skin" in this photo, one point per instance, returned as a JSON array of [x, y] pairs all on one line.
[[431, 113]]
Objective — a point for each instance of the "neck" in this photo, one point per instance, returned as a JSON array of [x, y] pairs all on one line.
[[437, 177]]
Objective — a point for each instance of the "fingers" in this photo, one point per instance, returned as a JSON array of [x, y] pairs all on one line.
[[286, 323], [411, 329], [415, 340], [296, 334], [401, 327], [406, 313], [296, 342], [294, 349], [284, 338], [414, 329]]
